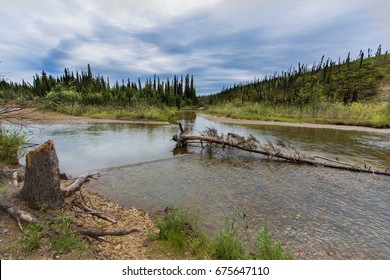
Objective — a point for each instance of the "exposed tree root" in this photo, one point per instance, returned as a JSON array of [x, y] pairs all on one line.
[[76, 185], [20, 215], [77, 202], [99, 233]]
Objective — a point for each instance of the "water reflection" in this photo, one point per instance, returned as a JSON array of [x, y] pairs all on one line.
[[87, 147]]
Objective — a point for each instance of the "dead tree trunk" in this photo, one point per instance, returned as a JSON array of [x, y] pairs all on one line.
[[252, 145], [42, 180]]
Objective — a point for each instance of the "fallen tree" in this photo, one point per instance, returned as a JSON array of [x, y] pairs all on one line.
[[283, 152]]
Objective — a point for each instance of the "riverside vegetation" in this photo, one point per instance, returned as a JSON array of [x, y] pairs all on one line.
[[352, 92], [180, 233], [92, 95]]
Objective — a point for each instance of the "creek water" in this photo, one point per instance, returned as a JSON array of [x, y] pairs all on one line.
[[317, 213]]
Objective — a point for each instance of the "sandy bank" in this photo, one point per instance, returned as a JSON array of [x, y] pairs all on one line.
[[303, 124], [33, 115]]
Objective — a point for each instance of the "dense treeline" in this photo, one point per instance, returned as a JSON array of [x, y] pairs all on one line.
[[348, 81], [85, 88]]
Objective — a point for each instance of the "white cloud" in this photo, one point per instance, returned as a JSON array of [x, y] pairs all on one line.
[[106, 34]]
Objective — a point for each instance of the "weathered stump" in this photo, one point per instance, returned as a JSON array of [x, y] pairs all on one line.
[[42, 181]]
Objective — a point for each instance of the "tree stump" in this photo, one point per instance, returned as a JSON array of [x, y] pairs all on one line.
[[42, 181]]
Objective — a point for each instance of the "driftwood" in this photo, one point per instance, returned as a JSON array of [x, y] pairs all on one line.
[[99, 233], [76, 185], [77, 202], [17, 214], [251, 144], [9, 110]]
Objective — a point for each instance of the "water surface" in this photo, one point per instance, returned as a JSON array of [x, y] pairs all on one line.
[[317, 213]]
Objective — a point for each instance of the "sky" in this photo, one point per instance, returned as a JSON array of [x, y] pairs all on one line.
[[220, 42]]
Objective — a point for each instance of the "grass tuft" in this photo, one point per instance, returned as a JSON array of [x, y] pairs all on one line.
[[268, 249], [179, 234]]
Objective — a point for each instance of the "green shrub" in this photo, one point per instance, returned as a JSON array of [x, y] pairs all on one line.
[[66, 243], [34, 235], [175, 227], [227, 246], [175, 221], [268, 249], [60, 96], [10, 143]]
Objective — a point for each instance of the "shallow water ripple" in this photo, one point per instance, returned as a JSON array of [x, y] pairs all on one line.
[[317, 213]]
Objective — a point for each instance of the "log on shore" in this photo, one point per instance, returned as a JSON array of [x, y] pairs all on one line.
[[99, 233], [76, 185], [16, 213]]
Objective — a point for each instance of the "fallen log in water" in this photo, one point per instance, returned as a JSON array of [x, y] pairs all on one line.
[[251, 144]]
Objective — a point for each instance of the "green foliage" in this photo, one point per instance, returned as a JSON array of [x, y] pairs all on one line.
[[63, 225], [367, 114], [268, 249], [313, 93], [11, 140], [42, 207], [227, 246], [174, 227], [182, 233], [200, 245], [67, 242], [86, 89], [60, 97], [62, 238], [34, 233]]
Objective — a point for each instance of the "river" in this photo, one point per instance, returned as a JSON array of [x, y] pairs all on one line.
[[317, 213]]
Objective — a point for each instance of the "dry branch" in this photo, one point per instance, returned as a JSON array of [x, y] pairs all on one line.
[[17, 214], [76, 185], [99, 233], [77, 202], [252, 145], [9, 110]]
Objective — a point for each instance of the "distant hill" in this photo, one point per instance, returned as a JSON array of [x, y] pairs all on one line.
[[363, 79]]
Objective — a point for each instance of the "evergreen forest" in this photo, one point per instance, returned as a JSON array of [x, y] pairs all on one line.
[[83, 89]]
